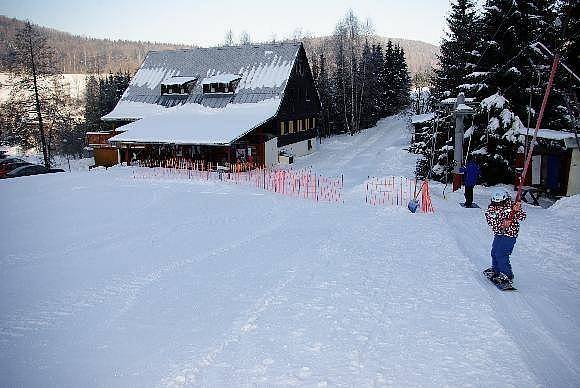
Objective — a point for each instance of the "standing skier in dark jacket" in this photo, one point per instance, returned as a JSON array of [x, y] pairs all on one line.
[[471, 173]]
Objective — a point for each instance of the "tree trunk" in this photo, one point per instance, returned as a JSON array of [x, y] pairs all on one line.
[[38, 112]]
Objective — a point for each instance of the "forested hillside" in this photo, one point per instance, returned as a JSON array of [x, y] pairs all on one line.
[[79, 54], [420, 56]]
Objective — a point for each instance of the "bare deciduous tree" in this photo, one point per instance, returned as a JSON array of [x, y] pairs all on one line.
[[33, 63], [245, 38], [229, 38]]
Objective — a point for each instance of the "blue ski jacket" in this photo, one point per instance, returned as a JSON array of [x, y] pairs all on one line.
[[471, 171]]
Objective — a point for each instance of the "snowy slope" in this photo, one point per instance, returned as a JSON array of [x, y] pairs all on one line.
[[110, 281]]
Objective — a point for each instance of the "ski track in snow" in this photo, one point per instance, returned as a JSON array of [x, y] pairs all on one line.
[[173, 283], [519, 312]]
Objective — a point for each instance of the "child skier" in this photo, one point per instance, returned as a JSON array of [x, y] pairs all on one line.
[[503, 217]]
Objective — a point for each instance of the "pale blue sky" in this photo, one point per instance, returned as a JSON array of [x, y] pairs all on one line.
[[205, 22]]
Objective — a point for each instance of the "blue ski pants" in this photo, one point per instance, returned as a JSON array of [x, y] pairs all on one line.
[[501, 250]]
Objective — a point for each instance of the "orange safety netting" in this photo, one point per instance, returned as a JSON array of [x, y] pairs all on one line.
[[397, 191], [302, 183]]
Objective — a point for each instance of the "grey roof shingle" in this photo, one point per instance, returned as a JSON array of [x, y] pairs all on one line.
[[265, 69]]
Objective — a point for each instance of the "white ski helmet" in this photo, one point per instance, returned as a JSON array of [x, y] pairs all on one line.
[[499, 195]]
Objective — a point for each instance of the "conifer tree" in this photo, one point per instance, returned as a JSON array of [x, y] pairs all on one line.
[[455, 73], [402, 85], [458, 49]]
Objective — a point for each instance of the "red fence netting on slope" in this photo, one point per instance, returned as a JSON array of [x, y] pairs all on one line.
[[302, 183], [397, 191]]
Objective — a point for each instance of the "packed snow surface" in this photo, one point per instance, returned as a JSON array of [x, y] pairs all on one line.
[[198, 124], [422, 118], [110, 281]]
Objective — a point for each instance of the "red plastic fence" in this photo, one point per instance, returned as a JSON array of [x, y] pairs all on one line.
[[303, 183], [398, 191]]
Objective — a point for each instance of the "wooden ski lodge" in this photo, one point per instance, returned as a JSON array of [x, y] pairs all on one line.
[[222, 105]]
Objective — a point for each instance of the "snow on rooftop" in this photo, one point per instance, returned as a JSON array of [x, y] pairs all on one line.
[[221, 79], [548, 134], [464, 108], [495, 101], [178, 80], [453, 100], [266, 75], [422, 118], [197, 124], [151, 77], [132, 110]]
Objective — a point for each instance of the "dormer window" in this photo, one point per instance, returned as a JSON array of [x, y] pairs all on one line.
[[222, 83], [178, 85]]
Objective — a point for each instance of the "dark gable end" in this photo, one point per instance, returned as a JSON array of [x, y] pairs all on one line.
[[300, 102]]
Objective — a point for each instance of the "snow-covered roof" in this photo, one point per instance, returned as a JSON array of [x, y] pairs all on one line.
[[132, 110], [221, 78], [177, 80], [198, 124], [453, 100], [261, 76], [548, 134], [422, 118], [463, 108]]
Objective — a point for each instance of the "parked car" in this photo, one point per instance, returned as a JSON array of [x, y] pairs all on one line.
[[33, 169], [7, 167], [10, 160]]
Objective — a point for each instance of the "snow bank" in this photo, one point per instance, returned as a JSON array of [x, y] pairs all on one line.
[[197, 124], [568, 207]]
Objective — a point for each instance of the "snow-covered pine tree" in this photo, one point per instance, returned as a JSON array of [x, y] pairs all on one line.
[[458, 49], [515, 77], [455, 73]]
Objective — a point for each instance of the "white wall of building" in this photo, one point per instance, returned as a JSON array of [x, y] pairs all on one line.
[[574, 177], [300, 148], [271, 152]]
